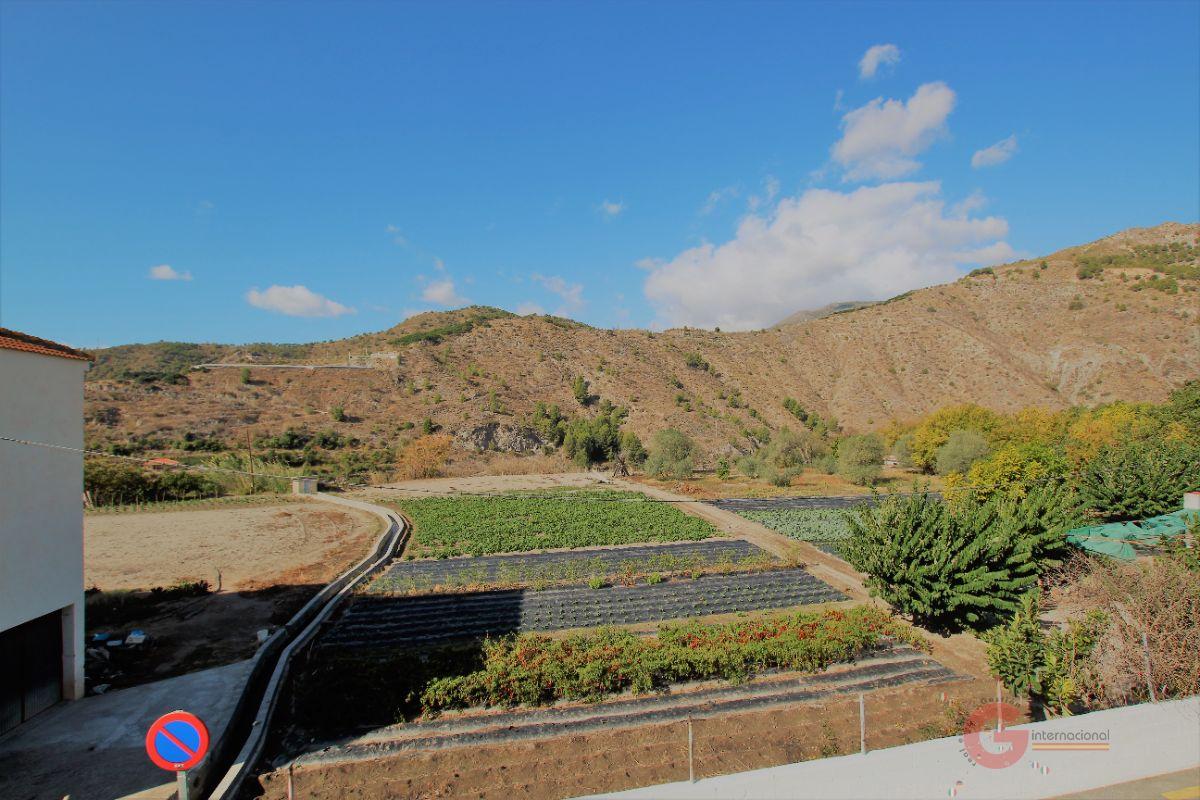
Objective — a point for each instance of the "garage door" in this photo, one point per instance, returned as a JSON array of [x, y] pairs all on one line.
[[30, 669]]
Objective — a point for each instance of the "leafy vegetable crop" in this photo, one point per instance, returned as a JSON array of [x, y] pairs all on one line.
[[444, 527], [809, 525]]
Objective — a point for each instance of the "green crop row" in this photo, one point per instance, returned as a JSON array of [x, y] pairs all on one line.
[[805, 524], [535, 670], [444, 527]]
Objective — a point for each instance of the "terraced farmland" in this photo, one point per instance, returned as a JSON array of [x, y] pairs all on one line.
[[445, 527], [572, 566], [381, 622], [824, 528]]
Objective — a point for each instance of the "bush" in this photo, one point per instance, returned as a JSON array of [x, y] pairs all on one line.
[[670, 455], [632, 449], [536, 670], [934, 431], [597, 439], [722, 469], [961, 450], [114, 483], [424, 457], [579, 388], [860, 458], [949, 569], [902, 450], [1136, 480], [550, 423], [750, 466], [1053, 670], [338, 413], [794, 449], [245, 375]]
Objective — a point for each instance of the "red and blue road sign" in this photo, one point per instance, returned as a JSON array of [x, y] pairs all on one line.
[[177, 741]]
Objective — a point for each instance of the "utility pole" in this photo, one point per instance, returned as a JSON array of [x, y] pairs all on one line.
[[250, 459]]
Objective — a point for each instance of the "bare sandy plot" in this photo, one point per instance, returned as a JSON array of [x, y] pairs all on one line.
[[436, 487], [250, 546]]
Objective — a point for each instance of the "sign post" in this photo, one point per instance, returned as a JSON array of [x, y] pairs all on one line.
[[177, 742]]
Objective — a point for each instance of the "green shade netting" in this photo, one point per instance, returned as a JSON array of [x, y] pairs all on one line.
[[1117, 539]]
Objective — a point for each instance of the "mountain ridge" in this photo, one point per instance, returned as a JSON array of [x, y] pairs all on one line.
[[1118, 318]]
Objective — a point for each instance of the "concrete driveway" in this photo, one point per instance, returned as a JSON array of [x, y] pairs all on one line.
[[94, 748]]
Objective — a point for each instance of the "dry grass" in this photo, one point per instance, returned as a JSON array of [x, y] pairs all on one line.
[[1157, 597]]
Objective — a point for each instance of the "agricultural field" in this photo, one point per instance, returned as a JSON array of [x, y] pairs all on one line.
[[445, 527], [626, 565], [384, 622]]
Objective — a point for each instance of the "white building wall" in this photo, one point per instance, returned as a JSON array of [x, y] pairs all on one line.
[[41, 513]]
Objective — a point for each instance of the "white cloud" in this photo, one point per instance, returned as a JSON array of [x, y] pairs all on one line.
[[880, 139], [571, 294], [715, 198], [821, 247], [770, 192], [395, 233], [612, 209], [529, 307], [998, 153], [165, 272], [443, 293], [296, 301], [875, 57]]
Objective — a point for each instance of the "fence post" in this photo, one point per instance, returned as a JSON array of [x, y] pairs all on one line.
[[691, 761], [862, 724]]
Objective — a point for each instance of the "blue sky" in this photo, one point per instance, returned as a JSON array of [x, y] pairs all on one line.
[[627, 164]]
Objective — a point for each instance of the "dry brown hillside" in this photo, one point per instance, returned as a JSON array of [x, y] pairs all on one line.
[[1115, 319]]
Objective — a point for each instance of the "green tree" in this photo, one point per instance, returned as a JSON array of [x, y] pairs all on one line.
[[962, 449], [579, 388], [860, 458], [950, 568], [1139, 479], [596, 439], [632, 448], [934, 430], [550, 423], [671, 454]]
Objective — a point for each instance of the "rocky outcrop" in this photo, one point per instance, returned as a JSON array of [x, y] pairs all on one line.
[[502, 438]]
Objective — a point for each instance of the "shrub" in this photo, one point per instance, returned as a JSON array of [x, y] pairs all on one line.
[[579, 388], [1136, 480], [750, 466], [550, 423], [535, 670], [632, 448], [112, 482], [793, 449], [428, 426], [245, 376], [1158, 598], [902, 450], [1055, 671], [961, 450], [722, 469], [670, 455], [424, 457], [860, 458], [338, 413], [934, 430], [596, 439], [949, 569], [696, 361]]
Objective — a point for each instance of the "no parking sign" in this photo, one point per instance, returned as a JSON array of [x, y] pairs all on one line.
[[177, 741]]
